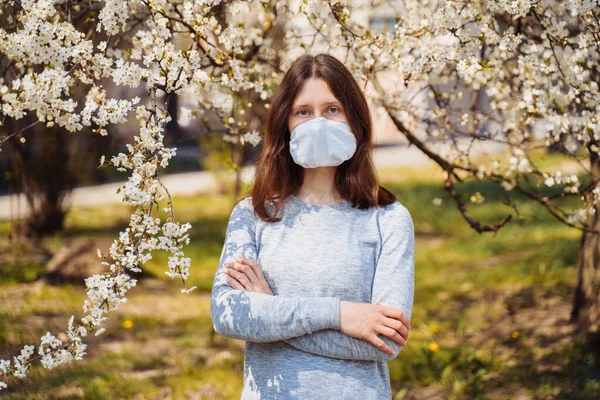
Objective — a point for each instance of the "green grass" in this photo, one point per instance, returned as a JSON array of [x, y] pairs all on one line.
[[466, 339]]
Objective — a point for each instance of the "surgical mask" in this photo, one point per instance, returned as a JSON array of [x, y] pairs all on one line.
[[322, 142]]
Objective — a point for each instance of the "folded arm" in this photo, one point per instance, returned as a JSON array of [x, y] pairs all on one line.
[[259, 317], [393, 286]]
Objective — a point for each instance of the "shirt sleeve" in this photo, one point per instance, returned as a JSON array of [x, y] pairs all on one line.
[[259, 317], [393, 286]]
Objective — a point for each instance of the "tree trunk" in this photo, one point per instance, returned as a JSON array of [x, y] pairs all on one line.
[[173, 136], [47, 167], [586, 307], [41, 168]]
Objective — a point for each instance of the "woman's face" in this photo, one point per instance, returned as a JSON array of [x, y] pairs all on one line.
[[315, 100]]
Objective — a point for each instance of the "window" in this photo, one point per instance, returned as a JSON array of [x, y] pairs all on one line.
[[378, 25]]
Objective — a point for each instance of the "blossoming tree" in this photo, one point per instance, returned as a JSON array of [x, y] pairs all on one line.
[[538, 65], [534, 60], [47, 47]]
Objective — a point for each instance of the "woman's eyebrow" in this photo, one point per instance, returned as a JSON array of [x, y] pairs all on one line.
[[322, 104]]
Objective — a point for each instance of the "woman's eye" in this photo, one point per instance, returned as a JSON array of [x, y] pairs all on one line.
[[299, 113], [334, 108]]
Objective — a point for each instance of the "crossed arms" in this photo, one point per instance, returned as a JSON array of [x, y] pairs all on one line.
[[312, 324]]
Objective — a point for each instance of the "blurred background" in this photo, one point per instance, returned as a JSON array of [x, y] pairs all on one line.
[[491, 315]]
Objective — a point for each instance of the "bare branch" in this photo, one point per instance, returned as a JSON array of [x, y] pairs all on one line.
[[4, 139]]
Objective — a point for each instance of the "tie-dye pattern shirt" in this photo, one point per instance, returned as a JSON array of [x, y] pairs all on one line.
[[313, 258]]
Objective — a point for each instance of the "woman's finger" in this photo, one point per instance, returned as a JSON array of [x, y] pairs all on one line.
[[392, 334], [397, 325], [234, 284], [397, 314], [245, 269], [231, 273], [380, 344], [255, 267], [240, 277]]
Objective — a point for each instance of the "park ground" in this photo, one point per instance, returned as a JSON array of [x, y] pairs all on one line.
[[490, 317]]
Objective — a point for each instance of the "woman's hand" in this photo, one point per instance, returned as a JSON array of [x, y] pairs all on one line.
[[245, 274], [366, 320]]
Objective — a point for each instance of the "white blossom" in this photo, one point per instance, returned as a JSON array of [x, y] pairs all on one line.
[[182, 48]]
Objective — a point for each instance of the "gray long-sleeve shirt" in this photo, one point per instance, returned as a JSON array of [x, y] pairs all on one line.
[[312, 259]]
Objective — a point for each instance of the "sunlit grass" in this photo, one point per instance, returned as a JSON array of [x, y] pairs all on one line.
[[160, 343]]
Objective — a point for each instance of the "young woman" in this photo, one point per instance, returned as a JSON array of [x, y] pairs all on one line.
[[317, 269]]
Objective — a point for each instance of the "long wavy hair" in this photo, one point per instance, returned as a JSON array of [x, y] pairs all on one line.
[[277, 175]]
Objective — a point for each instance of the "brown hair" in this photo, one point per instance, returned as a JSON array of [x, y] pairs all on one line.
[[277, 175]]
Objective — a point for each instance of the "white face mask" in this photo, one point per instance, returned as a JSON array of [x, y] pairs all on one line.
[[322, 142]]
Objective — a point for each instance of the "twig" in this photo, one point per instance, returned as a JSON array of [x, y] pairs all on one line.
[[18, 132]]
